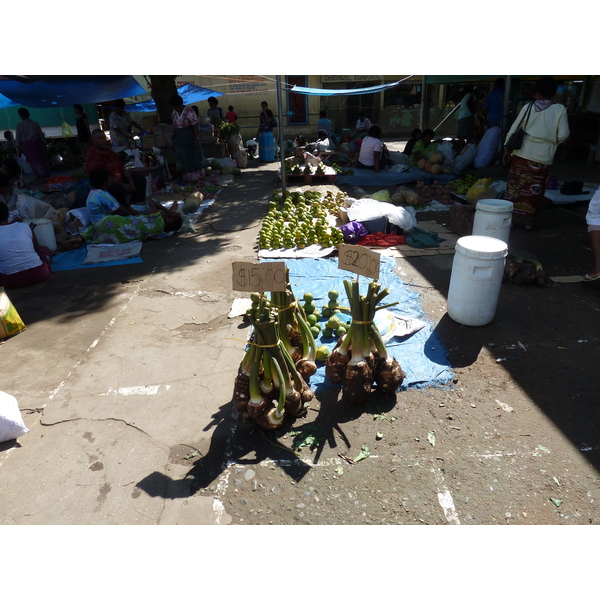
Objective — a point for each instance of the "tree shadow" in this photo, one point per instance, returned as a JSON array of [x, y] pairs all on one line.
[[74, 294]]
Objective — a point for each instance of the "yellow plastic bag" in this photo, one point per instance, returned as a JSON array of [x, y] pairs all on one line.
[[66, 130], [10, 321], [480, 186]]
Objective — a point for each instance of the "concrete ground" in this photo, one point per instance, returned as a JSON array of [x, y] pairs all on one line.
[[124, 377]]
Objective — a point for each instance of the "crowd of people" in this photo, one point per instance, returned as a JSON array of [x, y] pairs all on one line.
[[114, 188]]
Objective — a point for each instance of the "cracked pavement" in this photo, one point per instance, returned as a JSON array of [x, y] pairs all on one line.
[[118, 372]]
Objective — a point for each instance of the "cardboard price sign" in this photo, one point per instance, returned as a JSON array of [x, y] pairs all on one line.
[[359, 260], [263, 277]]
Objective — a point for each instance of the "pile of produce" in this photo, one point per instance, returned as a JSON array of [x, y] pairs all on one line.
[[299, 219], [361, 358], [406, 196], [461, 186], [424, 193], [524, 271], [191, 202], [214, 166], [341, 169], [437, 191], [273, 377], [434, 164]]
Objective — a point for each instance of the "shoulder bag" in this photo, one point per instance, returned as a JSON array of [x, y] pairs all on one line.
[[515, 141]]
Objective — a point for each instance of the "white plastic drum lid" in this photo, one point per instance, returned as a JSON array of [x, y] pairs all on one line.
[[491, 205], [481, 246]]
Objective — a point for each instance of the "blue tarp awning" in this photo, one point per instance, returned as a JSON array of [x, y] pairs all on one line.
[[353, 92], [65, 90], [7, 102], [190, 94]]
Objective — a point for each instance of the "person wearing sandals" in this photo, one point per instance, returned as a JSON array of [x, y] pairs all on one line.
[[592, 219], [546, 126]]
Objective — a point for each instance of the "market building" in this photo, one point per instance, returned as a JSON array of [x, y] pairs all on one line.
[[417, 101]]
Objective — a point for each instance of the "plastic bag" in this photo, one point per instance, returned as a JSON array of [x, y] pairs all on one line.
[[11, 421], [366, 209], [311, 159], [448, 152], [241, 159], [381, 196], [487, 148], [32, 208], [465, 158], [10, 321], [480, 186], [25, 166], [66, 130], [353, 231]]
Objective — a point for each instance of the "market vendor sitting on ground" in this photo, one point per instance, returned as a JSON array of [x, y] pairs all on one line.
[[423, 147], [373, 153], [119, 229], [415, 136], [323, 144], [11, 168], [122, 183], [100, 202], [8, 193], [121, 124], [23, 261]]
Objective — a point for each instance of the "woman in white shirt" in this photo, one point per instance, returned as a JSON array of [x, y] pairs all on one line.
[[545, 128], [371, 150], [22, 260]]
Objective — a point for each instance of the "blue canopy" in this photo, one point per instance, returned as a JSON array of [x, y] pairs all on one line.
[[65, 90], [352, 92], [7, 102], [190, 94]]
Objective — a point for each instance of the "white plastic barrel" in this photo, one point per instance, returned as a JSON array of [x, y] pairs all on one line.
[[44, 232], [493, 218], [476, 278]]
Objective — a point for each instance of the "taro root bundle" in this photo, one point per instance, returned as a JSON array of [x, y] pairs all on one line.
[[361, 358], [524, 271], [272, 381]]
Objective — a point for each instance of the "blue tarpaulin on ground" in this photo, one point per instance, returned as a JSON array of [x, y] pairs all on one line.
[[74, 259], [421, 355], [190, 94], [66, 90], [388, 178]]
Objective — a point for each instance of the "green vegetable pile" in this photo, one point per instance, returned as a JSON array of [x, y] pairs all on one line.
[[273, 377], [361, 358], [461, 186], [300, 219]]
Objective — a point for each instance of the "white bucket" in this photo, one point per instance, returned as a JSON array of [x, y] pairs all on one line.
[[44, 232], [493, 218], [476, 278]]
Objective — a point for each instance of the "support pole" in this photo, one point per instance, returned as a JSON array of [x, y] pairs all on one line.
[[280, 129]]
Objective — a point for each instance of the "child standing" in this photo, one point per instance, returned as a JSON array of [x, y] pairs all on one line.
[[231, 115]]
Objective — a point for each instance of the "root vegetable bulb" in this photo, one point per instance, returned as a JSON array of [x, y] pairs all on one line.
[[335, 366], [241, 395], [306, 368], [388, 374], [306, 394], [293, 403], [357, 384], [270, 419]]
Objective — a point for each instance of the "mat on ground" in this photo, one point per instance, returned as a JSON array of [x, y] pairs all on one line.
[[77, 259], [421, 355], [389, 178]]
